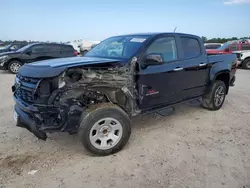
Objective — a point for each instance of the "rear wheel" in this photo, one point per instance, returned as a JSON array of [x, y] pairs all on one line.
[[246, 64], [215, 97], [14, 66], [104, 129]]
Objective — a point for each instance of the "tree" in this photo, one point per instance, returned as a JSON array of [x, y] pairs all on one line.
[[204, 38]]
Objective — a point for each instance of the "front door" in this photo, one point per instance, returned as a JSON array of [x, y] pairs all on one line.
[[34, 53], [177, 79]]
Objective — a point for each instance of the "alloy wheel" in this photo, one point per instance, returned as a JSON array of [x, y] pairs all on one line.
[[219, 96], [14, 67]]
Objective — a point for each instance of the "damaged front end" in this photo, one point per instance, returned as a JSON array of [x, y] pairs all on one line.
[[56, 104]]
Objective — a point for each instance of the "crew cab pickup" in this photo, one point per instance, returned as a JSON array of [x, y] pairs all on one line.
[[96, 95]]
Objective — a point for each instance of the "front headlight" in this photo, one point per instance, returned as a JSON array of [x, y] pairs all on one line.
[[3, 57]]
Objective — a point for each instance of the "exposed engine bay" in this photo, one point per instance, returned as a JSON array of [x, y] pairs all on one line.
[[59, 102]]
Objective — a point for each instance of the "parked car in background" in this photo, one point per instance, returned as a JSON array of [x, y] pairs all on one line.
[[76, 45], [85, 46], [243, 59], [97, 94], [12, 47], [229, 47], [93, 45], [12, 61], [210, 46]]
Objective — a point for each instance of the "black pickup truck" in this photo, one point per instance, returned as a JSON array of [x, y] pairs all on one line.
[[96, 95]]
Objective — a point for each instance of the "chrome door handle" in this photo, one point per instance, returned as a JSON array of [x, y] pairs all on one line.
[[202, 64], [178, 69]]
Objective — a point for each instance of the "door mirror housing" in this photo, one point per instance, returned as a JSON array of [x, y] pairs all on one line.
[[227, 50], [154, 59]]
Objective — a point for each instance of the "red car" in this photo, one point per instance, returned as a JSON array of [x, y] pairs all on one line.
[[229, 47]]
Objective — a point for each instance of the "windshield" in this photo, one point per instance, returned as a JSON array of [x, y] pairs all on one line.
[[224, 46], [24, 48], [5, 47], [121, 47]]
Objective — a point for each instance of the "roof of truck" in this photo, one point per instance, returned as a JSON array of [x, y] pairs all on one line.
[[156, 33]]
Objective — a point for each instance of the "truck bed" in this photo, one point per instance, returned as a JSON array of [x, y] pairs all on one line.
[[228, 58]]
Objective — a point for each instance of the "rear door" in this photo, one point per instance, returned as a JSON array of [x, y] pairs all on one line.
[[55, 51], [183, 74], [195, 66]]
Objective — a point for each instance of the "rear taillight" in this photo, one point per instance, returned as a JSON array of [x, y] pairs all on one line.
[[75, 53]]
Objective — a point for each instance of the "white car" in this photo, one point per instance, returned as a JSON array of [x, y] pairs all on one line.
[[85, 46], [76, 44], [243, 58]]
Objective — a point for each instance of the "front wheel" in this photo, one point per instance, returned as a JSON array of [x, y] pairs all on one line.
[[104, 129], [14, 66], [215, 97]]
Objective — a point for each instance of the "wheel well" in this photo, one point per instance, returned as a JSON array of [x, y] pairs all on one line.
[[246, 59], [225, 77], [14, 59]]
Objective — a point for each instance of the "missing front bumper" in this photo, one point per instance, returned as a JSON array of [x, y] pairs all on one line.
[[25, 121], [42, 119]]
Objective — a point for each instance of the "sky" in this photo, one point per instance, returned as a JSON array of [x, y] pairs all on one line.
[[66, 20]]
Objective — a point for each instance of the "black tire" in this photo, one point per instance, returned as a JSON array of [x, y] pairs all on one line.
[[246, 64], [98, 113], [210, 99], [14, 66]]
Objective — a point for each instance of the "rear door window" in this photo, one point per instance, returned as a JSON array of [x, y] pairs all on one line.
[[67, 48], [191, 47], [55, 48]]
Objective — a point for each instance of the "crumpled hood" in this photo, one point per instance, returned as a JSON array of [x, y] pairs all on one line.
[[54, 67]]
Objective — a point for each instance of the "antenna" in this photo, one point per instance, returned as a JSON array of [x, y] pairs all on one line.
[[175, 29]]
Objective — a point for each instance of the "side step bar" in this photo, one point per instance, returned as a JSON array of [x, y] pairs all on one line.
[[170, 109], [166, 111]]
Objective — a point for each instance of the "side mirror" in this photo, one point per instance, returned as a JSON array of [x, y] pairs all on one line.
[[154, 59], [227, 50]]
